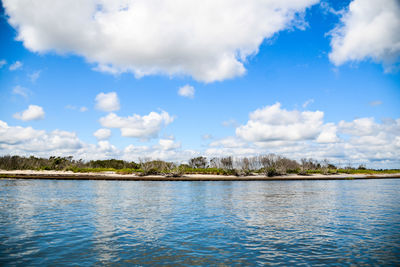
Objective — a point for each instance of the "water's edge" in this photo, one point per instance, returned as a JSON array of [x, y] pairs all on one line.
[[116, 177]]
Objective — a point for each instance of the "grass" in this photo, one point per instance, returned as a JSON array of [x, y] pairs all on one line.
[[357, 171], [85, 170], [213, 171]]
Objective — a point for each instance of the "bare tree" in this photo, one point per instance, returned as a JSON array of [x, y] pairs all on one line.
[[227, 163], [215, 163], [198, 163]]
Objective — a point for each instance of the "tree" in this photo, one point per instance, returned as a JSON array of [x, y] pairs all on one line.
[[227, 163], [198, 163]]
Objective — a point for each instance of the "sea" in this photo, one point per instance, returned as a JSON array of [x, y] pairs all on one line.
[[200, 223]]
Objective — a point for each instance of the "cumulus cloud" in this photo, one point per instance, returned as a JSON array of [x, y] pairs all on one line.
[[273, 123], [168, 144], [102, 134], [149, 37], [293, 134], [2, 63], [107, 102], [358, 127], [33, 112], [328, 134], [378, 146], [157, 152], [25, 141], [16, 65], [368, 30], [186, 91], [142, 127], [229, 142], [22, 91]]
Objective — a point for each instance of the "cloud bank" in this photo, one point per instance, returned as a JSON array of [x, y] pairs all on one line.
[[26, 141], [304, 134], [361, 141]]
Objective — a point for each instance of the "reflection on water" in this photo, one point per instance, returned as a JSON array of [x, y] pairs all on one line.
[[199, 223]]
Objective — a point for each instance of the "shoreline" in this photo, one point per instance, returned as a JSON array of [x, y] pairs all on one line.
[[64, 175]]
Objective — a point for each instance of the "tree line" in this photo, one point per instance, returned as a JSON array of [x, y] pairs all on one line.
[[269, 165]]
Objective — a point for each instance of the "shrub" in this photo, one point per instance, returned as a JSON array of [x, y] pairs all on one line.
[[271, 171]]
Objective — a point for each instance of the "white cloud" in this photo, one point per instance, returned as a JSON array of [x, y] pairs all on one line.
[[22, 91], [2, 63], [22, 141], [368, 30], [107, 102], [142, 127], [168, 144], [230, 123], [33, 112], [186, 91], [299, 135], [228, 142], [307, 103], [358, 127], [16, 65], [105, 146], [149, 37], [378, 148], [157, 152], [375, 103], [369, 127], [72, 107], [26, 141], [326, 8], [102, 134], [34, 75], [328, 134], [273, 123], [207, 136]]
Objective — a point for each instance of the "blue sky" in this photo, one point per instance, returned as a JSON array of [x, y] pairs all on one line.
[[305, 81]]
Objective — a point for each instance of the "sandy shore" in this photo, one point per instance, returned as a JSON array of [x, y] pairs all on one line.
[[63, 175]]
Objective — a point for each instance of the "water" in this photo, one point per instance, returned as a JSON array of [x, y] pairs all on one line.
[[57, 223]]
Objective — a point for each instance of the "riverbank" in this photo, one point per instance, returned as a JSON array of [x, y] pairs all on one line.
[[67, 175]]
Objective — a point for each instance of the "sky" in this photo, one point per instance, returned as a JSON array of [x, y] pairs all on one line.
[[172, 80]]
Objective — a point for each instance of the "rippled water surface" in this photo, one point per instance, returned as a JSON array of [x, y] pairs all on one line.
[[199, 223]]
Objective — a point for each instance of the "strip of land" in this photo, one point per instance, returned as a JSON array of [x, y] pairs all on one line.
[[67, 175]]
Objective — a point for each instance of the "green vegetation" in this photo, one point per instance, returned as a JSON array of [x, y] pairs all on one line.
[[269, 165]]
